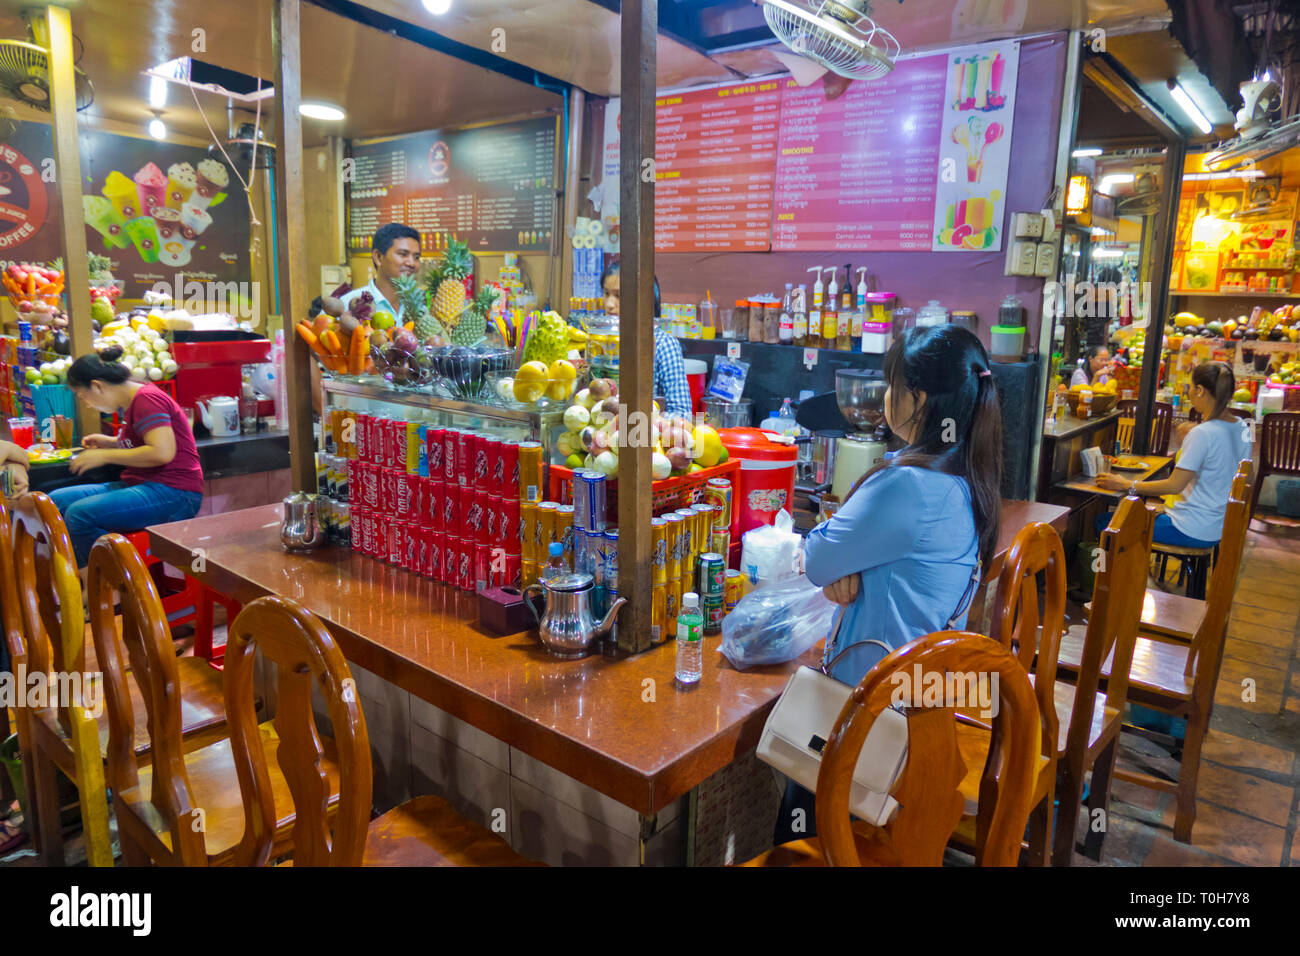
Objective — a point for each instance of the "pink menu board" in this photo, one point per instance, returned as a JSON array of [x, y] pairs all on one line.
[[715, 155], [861, 171]]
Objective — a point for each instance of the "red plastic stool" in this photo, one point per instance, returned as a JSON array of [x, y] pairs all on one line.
[[180, 600], [203, 624]]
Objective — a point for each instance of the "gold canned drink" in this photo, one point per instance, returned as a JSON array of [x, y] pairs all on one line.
[[688, 548], [412, 448], [721, 543], [672, 547], [672, 605], [564, 531], [703, 527], [336, 429], [735, 589], [528, 572], [348, 432], [658, 552], [528, 533], [658, 609], [530, 471], [547, 513], [718, 493]]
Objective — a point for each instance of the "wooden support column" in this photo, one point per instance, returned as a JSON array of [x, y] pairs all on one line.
[[573, 146], [54, 32], [639, 21], [291, 236]]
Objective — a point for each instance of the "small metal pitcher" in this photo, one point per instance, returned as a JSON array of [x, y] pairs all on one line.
[[567, 628], [300, 528]]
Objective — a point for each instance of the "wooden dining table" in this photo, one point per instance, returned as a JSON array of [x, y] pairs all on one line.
[[1082, 484], [621, 726]]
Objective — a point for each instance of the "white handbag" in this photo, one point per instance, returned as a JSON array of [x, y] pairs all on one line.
[[805, 714]]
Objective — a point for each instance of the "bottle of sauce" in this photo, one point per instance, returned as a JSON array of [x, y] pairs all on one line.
[[755, 320], [815, 313], [799, 305], [831, 316], [785, 332], [844, 321], [740, 319]]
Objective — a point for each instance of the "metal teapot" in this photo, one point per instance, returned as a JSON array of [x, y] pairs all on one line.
[[567, 628], [300, 528]]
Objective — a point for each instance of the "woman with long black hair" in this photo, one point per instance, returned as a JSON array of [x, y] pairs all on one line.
[[902, 556]]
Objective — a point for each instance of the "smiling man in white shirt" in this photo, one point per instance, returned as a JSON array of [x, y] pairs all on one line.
[[394, 251]]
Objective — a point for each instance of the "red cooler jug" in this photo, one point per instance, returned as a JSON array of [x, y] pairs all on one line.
[[766, 483]]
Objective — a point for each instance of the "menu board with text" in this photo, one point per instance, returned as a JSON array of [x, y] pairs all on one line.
[[860, 172], [491, 186], [715, 153]]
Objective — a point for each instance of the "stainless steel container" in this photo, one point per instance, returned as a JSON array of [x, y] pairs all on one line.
[[825, 443], [301, 528], [723, 414]]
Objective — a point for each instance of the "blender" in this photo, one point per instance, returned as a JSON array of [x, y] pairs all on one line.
[[860, 395]]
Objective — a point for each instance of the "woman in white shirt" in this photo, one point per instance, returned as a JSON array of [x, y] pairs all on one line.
[[1096, 368], [1207, 463]]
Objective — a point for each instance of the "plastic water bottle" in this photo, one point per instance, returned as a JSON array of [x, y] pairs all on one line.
[[278, 377], [555, 563], [690, 640]]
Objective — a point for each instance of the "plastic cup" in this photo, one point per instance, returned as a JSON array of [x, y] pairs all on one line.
[[121, 192], [23, 431], [102, 216], [152, 186], [181, 182], [144, 234]]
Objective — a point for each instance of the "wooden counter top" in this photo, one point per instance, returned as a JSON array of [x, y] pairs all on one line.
[[592, 719]]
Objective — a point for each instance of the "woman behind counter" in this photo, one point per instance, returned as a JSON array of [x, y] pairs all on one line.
[[162, 480]]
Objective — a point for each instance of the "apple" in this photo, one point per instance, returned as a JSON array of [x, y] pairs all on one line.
[[576, 417], [660, 466], [568, 443], [607, 463], [678, 457], [587, 436]]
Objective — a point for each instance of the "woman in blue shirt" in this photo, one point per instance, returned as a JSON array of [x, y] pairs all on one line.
[[902, 555]]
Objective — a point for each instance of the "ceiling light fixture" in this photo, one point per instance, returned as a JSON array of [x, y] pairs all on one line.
[[437, 7], [1111, 180], [1188, 106], [157, 129], [1086, 151], [321, 111], [157, 92], [1101, 253]]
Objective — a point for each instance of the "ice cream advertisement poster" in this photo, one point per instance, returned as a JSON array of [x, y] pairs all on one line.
[[157, 210], [975, 147]]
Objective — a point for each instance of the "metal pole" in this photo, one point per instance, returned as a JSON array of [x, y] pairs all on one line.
[[639, 21]]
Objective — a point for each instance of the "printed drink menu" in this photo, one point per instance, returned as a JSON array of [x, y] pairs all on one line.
[[492, 186], [861, 171], [715, 153]]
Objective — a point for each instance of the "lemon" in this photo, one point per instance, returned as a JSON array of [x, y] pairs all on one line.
[[561, 378], [708, 444], [530, 382]]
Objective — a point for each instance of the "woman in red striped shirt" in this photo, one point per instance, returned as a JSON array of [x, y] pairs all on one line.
[[162, 480]]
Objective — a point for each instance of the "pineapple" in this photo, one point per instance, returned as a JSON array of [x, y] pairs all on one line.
[[415, 308], [447, 283], [472, 326]]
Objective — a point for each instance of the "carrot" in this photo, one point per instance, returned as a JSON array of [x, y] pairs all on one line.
[[360, 348], [30, 289], [331, 341], [409, 326], [307, 334]]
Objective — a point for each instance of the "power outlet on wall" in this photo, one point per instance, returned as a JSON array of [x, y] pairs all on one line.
[[1021, 257]]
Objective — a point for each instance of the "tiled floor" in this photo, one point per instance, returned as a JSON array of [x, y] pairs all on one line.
[[1249, 788]]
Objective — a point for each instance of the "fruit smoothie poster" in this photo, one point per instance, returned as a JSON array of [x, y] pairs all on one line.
[[161, 212], [975, 147]]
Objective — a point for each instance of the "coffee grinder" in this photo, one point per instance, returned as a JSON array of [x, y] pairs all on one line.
[[860, 395]]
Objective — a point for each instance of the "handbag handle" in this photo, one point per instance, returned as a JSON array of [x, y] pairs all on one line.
[[964, 604]]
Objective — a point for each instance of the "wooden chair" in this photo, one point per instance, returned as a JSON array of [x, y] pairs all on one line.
[[1036, 549], [1279, 449], [183, 809], [74, 738], [425, 831], [1179, 679], [1092, 738], [11, 621], [1175, 616], [927, 791], [1162, 423]]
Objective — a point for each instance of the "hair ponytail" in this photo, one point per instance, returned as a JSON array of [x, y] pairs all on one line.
[[98, 367], [960, 430], [1217, 379]]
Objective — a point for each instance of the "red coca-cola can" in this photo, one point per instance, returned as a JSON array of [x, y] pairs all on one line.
[[424, 542], [496, 465], [508, 573], [509, 469], [378, 438], [361, 436], [482, 566], [391, 532], [354, 482], [448, 455], [482, 461], [464, 564], [399, 444], [369, 474], [434, 492], [447, 573], [387, 491], [508, 530], [410, 545], [465, 458], [433, 450], [419, 508], [471, 514], [402, 495], [359, 516], [451, 509]]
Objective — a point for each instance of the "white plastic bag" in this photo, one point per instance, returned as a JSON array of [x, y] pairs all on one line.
[[775, 624], [768, 552]]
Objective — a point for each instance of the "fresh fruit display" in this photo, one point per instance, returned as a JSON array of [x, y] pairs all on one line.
[[415, 306], [591, 436], [1288, 374], [33, 288], [465, 371], [472, 326], [145, 350], [548, 340], [343, 337], [49, 373], [448, 286]]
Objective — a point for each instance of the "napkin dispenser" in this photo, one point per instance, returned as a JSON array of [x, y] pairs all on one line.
[[1094, 462], [504, 610]]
